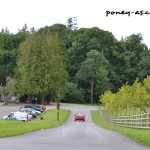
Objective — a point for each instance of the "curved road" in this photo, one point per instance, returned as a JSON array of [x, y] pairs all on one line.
[[72, 136]]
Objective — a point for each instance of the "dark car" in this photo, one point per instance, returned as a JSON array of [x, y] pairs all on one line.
[[35, 107], [39, 108]]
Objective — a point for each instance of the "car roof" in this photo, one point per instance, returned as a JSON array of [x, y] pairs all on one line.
[[19, 112], [79, 113]]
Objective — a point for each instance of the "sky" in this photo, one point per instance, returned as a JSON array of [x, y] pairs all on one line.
[[120, 17]]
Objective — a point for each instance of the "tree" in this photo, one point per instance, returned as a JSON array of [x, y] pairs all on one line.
[[8, 89], [72, 23], [83, 41], [90, 67], [129, 97], [144, 65], [41, 66], [146, 95], [9, 44], [102, 82], [123, 58], [4, 31], [24, 29], [135, 48], [73, 94]]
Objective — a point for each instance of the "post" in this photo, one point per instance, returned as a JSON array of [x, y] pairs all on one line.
[[147, 120], [58, 116], [92, 88], [27, 118]]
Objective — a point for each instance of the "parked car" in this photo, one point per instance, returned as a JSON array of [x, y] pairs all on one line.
[[18, 116], [35, 107], [39, 108], [35, 111], [30, 112], [43, 107], [79, 116]]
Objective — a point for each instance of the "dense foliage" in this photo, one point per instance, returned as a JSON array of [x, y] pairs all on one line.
[[41, 65], [40, 61], [129, 96], [90, 69]]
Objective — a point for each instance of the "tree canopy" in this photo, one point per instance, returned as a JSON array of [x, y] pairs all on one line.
[[90, 68], [41, 65], [45, 58]]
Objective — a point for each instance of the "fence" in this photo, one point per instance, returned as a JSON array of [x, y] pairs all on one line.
[[140, 121]]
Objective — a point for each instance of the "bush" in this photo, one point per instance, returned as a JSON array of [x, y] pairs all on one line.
[[73, 94]]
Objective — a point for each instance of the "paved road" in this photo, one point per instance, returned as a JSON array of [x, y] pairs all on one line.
[[72, 136]]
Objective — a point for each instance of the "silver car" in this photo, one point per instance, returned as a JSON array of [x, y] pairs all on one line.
[[31, 111]]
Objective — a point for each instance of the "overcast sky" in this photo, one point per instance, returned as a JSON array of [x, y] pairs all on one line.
[[90, 13]]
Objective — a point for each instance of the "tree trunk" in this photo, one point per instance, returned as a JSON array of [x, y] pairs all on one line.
[[58, 105], [50, 99], [92, 89], [5, 99], [29, 100], [42, 100]]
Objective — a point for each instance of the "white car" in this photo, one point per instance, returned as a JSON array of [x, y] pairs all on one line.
[[18, 116], [31, 109]]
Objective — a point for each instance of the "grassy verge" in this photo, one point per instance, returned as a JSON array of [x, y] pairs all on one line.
[[140, 136], [13, 128]]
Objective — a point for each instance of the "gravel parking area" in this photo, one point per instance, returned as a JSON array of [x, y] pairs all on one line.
[[6, 109]]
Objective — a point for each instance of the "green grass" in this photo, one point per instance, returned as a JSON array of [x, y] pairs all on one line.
[[138, 135], [13, 128]]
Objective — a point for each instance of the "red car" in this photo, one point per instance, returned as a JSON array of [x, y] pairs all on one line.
[[43, 107], [79, 116]]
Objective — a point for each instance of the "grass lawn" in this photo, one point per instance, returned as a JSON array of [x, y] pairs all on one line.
[[140, 136], [12, 128]]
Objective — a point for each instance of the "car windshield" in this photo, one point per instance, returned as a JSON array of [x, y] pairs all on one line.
[[38, 106], [80, 113]]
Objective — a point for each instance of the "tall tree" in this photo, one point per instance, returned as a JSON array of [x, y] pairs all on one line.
[[42, 65], [124, 57], [7, 90], [82, 41], [90, 67], [9, 44], [135, 47], [102, 82], [72, 23], [144, 65]]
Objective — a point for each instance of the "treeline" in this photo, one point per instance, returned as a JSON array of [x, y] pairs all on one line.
[[94, 59], [128, 97]]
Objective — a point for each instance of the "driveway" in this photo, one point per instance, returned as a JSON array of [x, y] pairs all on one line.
[[73, 135]]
